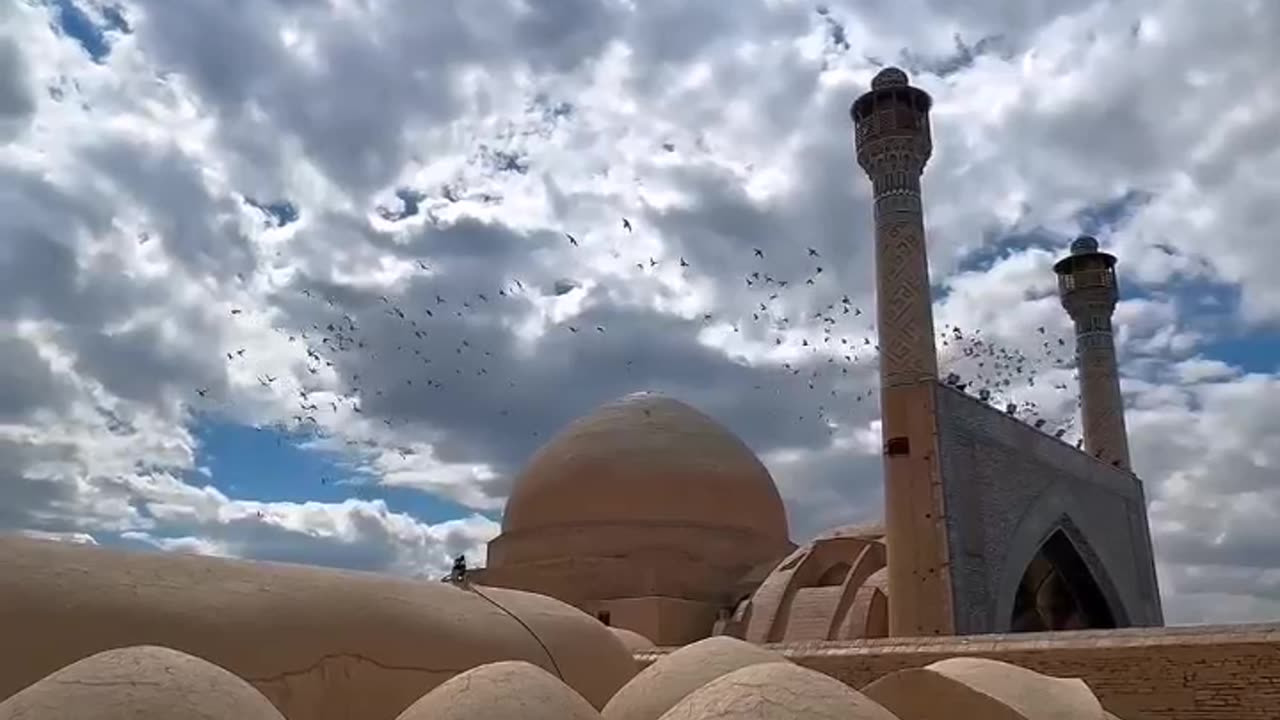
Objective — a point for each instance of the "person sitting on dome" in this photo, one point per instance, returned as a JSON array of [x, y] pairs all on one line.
[[458, 575]]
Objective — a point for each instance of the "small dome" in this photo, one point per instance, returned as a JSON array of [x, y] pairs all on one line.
[[1024, 690], [508, 690], [978, 687], [139, 683], [592, 660], [646, 459], [776, 691], [1084, 244], [664, 683], [889, 77]]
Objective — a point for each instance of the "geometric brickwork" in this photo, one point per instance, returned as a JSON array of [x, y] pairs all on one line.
[[1017, 497], [1087, 286]]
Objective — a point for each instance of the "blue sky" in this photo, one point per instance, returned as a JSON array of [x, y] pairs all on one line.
[[93, 34], [1251, 351], [274, 466]]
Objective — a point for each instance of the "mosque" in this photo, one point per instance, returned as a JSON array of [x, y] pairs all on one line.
[[654, 518], [645, 569]]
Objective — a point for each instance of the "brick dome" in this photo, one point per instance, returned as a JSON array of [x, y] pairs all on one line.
[[646, 459]]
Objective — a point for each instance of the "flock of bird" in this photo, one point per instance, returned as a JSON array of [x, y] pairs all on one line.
[[825, 349]]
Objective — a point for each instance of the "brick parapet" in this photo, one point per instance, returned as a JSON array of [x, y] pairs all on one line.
[[1212, 672]]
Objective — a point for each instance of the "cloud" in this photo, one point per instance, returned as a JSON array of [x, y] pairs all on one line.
[[346, 223], [17, 100]]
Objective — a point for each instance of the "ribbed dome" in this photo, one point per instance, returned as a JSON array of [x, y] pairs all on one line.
[[646, 458]]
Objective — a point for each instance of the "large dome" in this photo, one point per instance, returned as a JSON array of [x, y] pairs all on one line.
[[646, 459]]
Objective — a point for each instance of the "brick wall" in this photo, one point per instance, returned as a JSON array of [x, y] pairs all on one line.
[[811, 612], [1227, 672]]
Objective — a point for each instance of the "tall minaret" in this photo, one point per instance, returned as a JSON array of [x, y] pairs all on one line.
[[891, 132], [1087, 284]]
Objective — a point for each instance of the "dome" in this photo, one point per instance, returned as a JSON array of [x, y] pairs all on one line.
[[888, 77], [777, 691], [1084, 245], [341, 639], [981, 687], [666, 682], [140, 683], [646, 459], [510, 690]]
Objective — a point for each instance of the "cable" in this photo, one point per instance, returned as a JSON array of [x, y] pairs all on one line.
[[523, 624]]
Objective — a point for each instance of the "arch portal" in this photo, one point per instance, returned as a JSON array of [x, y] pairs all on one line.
[[1058, 591]]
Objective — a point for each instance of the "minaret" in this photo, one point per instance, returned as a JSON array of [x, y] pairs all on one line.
[[891, 132], [1087, 284]]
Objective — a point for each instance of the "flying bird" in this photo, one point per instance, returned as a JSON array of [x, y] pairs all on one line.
[[626, 224]]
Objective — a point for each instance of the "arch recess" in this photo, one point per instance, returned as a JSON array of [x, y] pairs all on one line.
[[1054, 511], [1059, 592], [834, 575]]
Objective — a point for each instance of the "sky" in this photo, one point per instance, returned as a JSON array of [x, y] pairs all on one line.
[[293, 279]]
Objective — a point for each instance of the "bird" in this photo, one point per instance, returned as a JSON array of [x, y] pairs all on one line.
[[572, 241], [626, 224]]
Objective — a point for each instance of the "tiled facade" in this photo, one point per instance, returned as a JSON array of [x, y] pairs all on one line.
[[1007, 486]]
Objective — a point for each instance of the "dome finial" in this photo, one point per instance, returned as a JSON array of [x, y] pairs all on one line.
[[889, 77], [1084, 244]]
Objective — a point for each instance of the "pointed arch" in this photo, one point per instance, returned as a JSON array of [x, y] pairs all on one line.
[[1058, 591], [1054, 511]]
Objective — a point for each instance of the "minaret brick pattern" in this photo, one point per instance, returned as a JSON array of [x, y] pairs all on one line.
[[891, 133], [893, 144], [1087, 286]]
